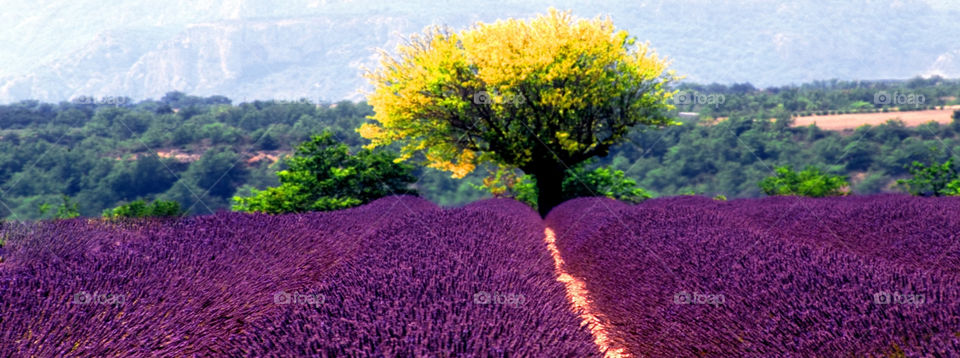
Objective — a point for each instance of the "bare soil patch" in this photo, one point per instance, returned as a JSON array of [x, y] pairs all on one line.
[[838, 122]]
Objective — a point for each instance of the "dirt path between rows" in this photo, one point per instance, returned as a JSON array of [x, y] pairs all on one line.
[[578, 296]]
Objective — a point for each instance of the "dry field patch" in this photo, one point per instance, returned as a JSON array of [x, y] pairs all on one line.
[[853, 120]]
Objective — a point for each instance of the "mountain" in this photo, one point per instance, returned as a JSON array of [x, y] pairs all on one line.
[[946, 65], [254, 49]]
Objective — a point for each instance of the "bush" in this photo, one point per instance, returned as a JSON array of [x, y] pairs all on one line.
[[932, 180], [140, 209], [579, 182], [602, 182], [324, 176], [873, 183], [66, 210], [809, 182]]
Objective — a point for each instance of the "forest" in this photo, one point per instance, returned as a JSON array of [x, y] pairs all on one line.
[[99, 153]]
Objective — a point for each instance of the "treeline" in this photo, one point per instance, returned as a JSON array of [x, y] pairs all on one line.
[[818, 98], [103, 153], [730, 157]]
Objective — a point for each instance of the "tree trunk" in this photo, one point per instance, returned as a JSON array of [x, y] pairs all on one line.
[[549, 188]]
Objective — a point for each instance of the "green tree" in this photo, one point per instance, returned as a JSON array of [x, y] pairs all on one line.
[[602, 181], [140, 209], [323, 175], [809, 182], [541, 95], [873, 183], [147, 175], [66, 210], [932, 180], [209, 183]]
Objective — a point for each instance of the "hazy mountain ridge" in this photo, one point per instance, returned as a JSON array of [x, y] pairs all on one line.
[[289, 58], [249, 49]]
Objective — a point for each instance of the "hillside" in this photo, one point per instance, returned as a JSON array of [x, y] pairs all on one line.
[[254, 49], [209, 150]]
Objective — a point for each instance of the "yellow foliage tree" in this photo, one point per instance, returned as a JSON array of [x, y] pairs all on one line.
[[540, 95]]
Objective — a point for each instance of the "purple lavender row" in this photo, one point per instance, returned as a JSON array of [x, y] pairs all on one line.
[[163, 287], [913, 232], [395, 277], [694, 277], [474, 281]]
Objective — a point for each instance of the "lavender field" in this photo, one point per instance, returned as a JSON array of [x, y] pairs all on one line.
[[677, 277], [397, 277], [781, 276]]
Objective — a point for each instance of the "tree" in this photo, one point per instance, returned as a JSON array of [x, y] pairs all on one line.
[[541, 95], [140, 209], [148, 175], [209, 182], [932, 180], [323, 175], [603, 181], [579, 182], [219, 172], [809, 182], [66, 210]]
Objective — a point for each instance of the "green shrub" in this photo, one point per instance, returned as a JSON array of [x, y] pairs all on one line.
[[809, 182], [140, 209], [579, 182], [66, 210], [932, 180], [873, 183], [602, 182], [323, 176]]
